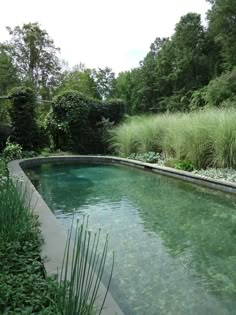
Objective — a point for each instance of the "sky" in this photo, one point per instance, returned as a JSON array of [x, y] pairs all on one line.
[[100, 33]]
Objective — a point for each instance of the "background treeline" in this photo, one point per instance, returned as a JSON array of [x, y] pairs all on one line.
[[73, 109], [192, 69]]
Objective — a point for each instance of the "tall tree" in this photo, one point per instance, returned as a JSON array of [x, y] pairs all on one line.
[[34, 54], [79, 79], [127, 87], [105, 80], [222, 27], [8, 80], [190, 56], [149, 88], [8, 73]]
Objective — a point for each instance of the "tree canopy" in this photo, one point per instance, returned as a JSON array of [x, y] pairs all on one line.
[[34, 55]]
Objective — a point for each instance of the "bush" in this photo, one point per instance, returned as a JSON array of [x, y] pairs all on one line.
[[149, 157], [185, 165], [23, 117], [79, 123], [5, 132], [12, 151], [198, 99], [221, 89]]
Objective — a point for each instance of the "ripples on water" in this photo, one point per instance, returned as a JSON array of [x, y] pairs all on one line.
[[174, 242]]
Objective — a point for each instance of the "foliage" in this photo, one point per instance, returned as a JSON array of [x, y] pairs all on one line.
[[84, 275], [198, 99], [77, 122], [227, 174], [24, 127], [79, 79], [149, 157], [222, 27], [206, 138], [35, 57], [8, 73], [12, 151], [5, 132], [127, 87], [221, 89], [176, 71], [24, 289], [8, 79], [3, 170], [104, 79], [185, 165], [173, 68]]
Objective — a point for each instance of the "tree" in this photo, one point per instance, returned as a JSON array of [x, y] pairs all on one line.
[[24, 127], [191, 71], [222, 27], [79, 79], [8, 73], [8, 79], [35, 56], [105, 80], [128, 87]]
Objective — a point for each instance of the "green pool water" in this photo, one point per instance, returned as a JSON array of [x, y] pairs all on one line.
[[174, 242]]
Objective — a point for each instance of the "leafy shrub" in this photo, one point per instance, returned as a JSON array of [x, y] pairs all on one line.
[[198, 99], [24, 127], [228, 174], [149, 157], [5, 132], [3, 168], [29, 154], [77, 123], [185, 165], [12, 151], [221, 89]]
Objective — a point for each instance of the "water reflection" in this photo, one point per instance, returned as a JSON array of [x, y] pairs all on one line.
[[174, 242]]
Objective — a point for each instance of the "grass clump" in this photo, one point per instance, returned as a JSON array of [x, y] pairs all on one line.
[[82, 272], [206, 138]]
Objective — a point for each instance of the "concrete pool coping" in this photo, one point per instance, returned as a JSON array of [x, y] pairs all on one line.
[[52, 231]]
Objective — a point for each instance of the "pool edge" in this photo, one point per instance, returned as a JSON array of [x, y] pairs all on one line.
[[52, 231]]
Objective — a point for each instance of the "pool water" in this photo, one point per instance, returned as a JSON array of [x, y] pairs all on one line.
[[174, 242]]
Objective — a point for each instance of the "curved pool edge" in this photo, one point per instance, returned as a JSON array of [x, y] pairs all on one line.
[[52, 231], [54, 234], [222, 185]]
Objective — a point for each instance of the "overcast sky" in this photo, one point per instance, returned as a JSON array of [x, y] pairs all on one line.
[[99, 33]]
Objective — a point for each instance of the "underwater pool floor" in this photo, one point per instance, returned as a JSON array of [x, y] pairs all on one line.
[[174, 242]]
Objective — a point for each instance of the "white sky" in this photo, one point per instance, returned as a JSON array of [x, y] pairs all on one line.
[[99, 33]]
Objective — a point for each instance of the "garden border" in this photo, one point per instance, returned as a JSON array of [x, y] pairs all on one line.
[[53, 232]]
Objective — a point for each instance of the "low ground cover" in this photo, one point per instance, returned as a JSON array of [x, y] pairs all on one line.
[[24, 289]]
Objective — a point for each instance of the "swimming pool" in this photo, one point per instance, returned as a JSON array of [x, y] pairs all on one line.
[[174, 242]]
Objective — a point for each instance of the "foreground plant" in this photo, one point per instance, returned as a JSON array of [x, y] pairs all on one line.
[[82, 271], [24, 287]]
